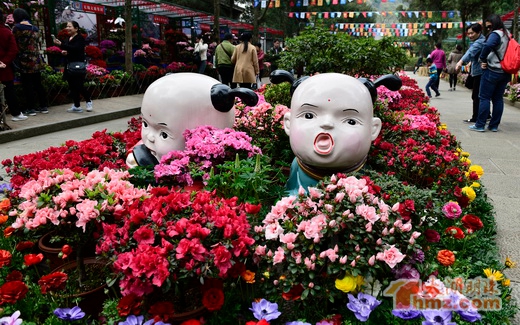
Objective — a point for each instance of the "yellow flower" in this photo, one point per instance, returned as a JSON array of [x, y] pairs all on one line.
[[494, 275], [469, 192], [442, 126], [509, 263], [475, 184], [349, 283], [506, 282], [464, 154], [465, 160], [266, 274], [477, 169]]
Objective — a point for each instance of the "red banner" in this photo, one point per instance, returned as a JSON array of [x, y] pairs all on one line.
[[160, 19], [89, 7]]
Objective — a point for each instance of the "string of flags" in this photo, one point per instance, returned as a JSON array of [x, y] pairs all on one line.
[[370, 14], [394, 29]]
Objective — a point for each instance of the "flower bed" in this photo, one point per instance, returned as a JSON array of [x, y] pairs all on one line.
[[413, 229]]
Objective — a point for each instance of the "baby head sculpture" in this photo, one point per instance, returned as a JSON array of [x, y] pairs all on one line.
[[182, 101], [331, 124]]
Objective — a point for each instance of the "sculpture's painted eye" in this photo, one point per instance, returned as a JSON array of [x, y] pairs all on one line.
[[145, 124], [309, 116], [163, 135], [351, 121]]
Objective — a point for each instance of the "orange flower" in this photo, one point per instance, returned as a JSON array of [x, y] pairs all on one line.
[[248, 276], [3, 218], [5, 257], [8, 231], [446, 257], [5, 204]]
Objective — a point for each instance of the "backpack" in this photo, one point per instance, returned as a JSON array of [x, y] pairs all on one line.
[[511, 61]]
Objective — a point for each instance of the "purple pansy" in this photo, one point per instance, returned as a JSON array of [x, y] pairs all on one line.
[[265, 310], [406, 313], [362, 306], [133, 320], [12, 320], [297, 323]]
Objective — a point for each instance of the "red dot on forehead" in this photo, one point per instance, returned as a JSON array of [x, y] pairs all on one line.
[[328, 99]]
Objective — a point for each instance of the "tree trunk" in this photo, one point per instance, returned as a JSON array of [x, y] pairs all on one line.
[[128, 36], [216, 18]]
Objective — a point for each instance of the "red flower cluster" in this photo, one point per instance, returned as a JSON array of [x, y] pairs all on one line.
[[53, 282], [12, 291], [207, 235]]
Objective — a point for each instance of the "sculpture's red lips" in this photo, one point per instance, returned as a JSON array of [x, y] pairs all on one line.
[[323, 144]]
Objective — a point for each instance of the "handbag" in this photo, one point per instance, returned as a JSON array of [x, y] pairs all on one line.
[[196, 58], [77, 68]]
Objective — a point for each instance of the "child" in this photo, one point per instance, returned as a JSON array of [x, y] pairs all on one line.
[[432, 71]]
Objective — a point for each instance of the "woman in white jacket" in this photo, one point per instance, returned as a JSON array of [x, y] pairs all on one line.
[[202, 48]]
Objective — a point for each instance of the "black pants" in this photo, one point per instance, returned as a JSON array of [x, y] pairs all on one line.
[[226, 74], [32, 83], [76, 88], [453, 80], [439, 72], [10, 98], [246, 85], [474, 96]]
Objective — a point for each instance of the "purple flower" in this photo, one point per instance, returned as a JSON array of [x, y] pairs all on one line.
[[5, 187], [132, 320], [297, 323], [470, 315], [265, 310], [69, 314], [12, 320], [407, 272], [406, 313], [152, 322], [362, 306], [437, 317], [418, 256], [324, 322]]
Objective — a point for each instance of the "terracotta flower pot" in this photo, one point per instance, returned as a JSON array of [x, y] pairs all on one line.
[[51, 251], [92, 299]]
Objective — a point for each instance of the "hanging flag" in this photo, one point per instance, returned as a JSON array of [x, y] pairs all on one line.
[[291, 14], [264, 4], [430, 14], [277, 4], [450, 25], [451, 14], [444, 14], [343, 2], [305, 3], [320, 3], [334, 2], [298, 3], [256, 3]]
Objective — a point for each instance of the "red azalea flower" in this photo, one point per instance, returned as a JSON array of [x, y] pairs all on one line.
[[12, 291], [53, 282], [129, 305], [455, 232], [472, 223], [24, 245], [9, 230], [15, 275], [31, 259], [406, 209], [260, 322], [213, 299], [5, 257], [252, 208], [161, 311]]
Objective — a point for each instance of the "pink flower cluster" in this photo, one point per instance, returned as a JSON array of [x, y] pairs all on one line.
[[206, 147], [58, 196], [179, 234], [340, 226]]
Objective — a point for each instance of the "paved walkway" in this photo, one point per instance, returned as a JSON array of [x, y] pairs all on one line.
[[498, 153]]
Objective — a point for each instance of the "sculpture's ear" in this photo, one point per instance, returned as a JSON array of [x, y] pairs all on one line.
[[279, 76], [390, 81], [223, 97]]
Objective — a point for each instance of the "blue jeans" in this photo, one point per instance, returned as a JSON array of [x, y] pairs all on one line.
[[432, 83], [492, 87], [202, 66]]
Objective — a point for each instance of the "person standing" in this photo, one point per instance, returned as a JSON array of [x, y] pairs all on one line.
[[202, 48], [223, 53], [274, 54], [432, 71], [418, 64], [261, 56], [453, 58], [439, 59], [73, 49], [27, 38], [8, 51], [494, 80], [246, 62], [472, 55]]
